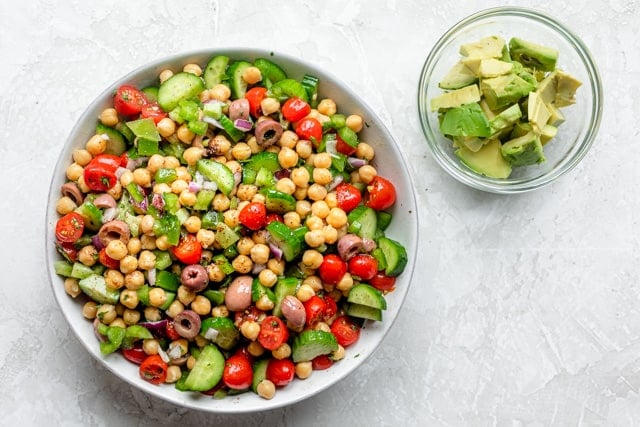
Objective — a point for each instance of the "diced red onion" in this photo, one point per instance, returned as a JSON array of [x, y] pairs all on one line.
[[330, 146], [134, 163], [369, 245], [337, 180], [97, 243], [237, 178], [158, 328], [212, 121], [163, 355], [210, 185], [257, 268], [151, 276], [157, 201], [194, 187], [243, 125], [275, 250], [174, 352], [211, 334], [120, 171], [356, 162], [109, 214], [282, 173]]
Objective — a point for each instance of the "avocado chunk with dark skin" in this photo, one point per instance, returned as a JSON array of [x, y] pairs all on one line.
[[533, 55]]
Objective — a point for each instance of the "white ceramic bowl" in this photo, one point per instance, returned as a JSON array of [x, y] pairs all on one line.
[[404, 228]]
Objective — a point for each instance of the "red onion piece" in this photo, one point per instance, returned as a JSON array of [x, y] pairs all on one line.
[[212, 121], [337, 180], [282, 173], [120, 171], [275, 250], [109, 214], [356, 162], [97, 243], [158, 328], [243, 125], [194, 187], [157, 201]]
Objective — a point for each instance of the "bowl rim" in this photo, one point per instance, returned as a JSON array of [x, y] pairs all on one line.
[[495, 185], [384, 134]]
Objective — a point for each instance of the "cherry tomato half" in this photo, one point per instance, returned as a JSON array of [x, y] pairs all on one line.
[[330, 308], [273, 333], [309, 129], [107, 261], [364, 266], [253, 216], [134, 354], [108, 161], [129, 100], [99, 177], [70, 227], [238, 373], [322, 362], [332, 269], [252, 313], [347, 196], [280, 371], [170, 331], [153, 369], [381, 194], [188, 250], [382, 282], [343, 147], [295, 109], [345, 330], [67, 250], [273, 217], [153, 111], [255, 96], [314, 308]]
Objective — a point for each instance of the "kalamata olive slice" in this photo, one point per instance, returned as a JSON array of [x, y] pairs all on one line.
[[239, 109], [194, 277], [114, 230], [349, 245], [105, 200], [268, 132], [71, 190], [293, 311], [187, 324]]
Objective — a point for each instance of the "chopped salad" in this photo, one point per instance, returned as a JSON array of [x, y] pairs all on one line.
[[225, 228]]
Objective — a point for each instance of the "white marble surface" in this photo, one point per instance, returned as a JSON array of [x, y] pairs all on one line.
[[525, 310]]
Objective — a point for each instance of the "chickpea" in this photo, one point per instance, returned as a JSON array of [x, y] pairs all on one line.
[[220, 311], [131, 317], [331, 200], [109, 117], [165, 75], [286, 185], [250, 330], [155, 162], [330, 234], [205, 237], [201, 305], [134, 280], [259, 198], [81, 156], [118, 322], [322, 176], [312, 258], [88, 255], [337, 218], [327, 107], [252, 75], [89, 310], [178, 186], [269, 106], [259, 253], [255, 349], [193, 69], [116, 249], [174, 373], [322, 160], [74, 171], [106, 313], [246, 191], [242, 264], [303, 208], [96, 145], [322, 326], [185, 134], [215, 273], [305, 292], [148, 242], [126, 178], [150, 346], [220, 202], [365, 151], [316, 192], [114, 279], [185, 296], [166, 127], [192, 224], [82, 185], [346, 283], [314, 223], [304, 148], [314, 238], [128, 264], [71, 287], [354, 122], [267, 278], [282, 352], [320, 209], [292, 220], [142, 177], [367, 173], [264, 303], [220, 92], [152, 314], [338, 354], [314, 283], [231, 217], [162, 243], [300, 177], [287, 157], [266, 389], [276, 265], [157, 297], [116, 190], [244, 245], [129, 298], [288, 139], [303, 370]]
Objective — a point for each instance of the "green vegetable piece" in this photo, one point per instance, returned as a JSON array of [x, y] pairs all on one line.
[[91, 214], [63, 268], [310, 84], [363, 312], [144, 128], [504, 90], [115, 335], [187, 110], [278, 201], [95, 287], [363, 222], [116, 142], [237, 83], [384, 219], [466, 120], [486, 161], [533, 55], [365, 294], [203, 200], [284, 286], [285, 239], [395, 256], [311, 344], [524, 150], [288, 88], [214, 72], [207, 371], [218, 173], [231, 130], [271, 72], [215, 296], [151, 92], [258, 290], [167, 280], [263, 159], [178, 87], [198, 127], [80, 271], [147, 147], [380, 259], [265, 178], [211, 219], [165, 175], [171, 204], [163, 259], [225, 236], [223, 263], [135, 333], [259, 373], [225, 334], [349, 136]]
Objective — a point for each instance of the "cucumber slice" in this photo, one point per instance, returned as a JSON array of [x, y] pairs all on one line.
[[207, 371], [80, 271], [95, 287], [226, 335], [285, 239], [258, 290], [237, 84], [218, 173], [285, 286], [214, 72], [215, 296], [230, 128], [384, 219], [311, 344], [288, 88], [363, 222], [264, 178], [178, 87], [271, 72], [225, 236], [151, 92], [395, 256], [116, 143], [263, 159], [279, 202], [259, 373], [363, 312], [367, 295]]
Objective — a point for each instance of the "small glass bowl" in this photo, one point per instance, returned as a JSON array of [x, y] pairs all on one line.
[[575, 136]]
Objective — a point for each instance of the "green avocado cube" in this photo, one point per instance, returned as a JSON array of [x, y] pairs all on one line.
[[524, 150]]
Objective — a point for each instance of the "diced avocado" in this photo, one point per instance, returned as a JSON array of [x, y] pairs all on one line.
[[473, 143], [520, 128], [363, 312], [529, 77], [485, 108], [537, 112], [487, 47], [466, 120], [207, 371], [488, 161], [566, 88], [548, 132], [556, 117], [311, 344], [365, 294], [459, 76], [524, 150], [504, 90], [491, 67], [506, 118], [96, 288], [533, 55], [547, 88], [456, 98], [473, 64]]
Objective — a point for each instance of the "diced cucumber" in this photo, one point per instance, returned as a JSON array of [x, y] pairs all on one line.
[[259, 373], [285, 239], [271, 72], [263, 159], [116, 143], [80, 271], [178, 87], [226, 333], [214, 72], [151, 92], [203, 200], [363, 221], [230, 128], [218, 173], [288, 88], [279, 202], [311, 344], [310, 84], [163, 259], [167, 280], [395, 256], [95, 287], [258, 290], [63, 268], [367, 295], [215, 296], [144, 128], [225, 236], [264, 178], [284, 286], [384, 219], [363, 312], [237, 84], [207, 371], [91, 214]]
